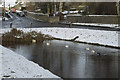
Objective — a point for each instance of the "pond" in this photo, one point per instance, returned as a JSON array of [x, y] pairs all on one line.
[[71, 60]]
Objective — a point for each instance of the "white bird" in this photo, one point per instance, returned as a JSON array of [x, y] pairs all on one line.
[[47, 44], [93, 51], [88, 49], [98, 53], [33, 40], [66, 46]]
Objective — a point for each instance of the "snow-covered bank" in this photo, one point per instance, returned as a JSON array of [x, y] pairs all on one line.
[[94, 24], [109, 38], [17, 66], [98, 24]]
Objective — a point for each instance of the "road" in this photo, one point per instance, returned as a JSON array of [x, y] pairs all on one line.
[[24, 22]]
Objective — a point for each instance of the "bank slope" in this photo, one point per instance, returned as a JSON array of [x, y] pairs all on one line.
[[17, 66], [100, 37]]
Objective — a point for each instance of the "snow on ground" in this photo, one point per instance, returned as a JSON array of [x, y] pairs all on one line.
[[109, 38], [98, 24], [1, 18], [17, 66], [38, 13], [94, 24], [0, 64], [88, 15]]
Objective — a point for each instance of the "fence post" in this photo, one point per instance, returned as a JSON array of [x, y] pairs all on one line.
[[70, 26], [10, 25], [31, 25], [51, 24]]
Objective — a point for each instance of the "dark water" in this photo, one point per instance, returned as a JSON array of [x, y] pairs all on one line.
[[76, 60]]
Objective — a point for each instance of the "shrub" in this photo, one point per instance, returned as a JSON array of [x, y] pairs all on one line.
[[18, 36]]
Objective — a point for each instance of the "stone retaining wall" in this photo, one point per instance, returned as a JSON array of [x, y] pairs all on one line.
[[105, 19], [42, 17]]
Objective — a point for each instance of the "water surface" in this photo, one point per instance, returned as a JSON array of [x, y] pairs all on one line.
[[72, 60]]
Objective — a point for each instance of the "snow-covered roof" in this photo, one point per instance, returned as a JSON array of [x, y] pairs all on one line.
[[22, 3], [1, 5]]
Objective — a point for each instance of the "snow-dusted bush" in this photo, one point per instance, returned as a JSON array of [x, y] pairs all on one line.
[[18, 36]]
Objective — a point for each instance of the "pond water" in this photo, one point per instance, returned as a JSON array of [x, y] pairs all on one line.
[[72, 60]]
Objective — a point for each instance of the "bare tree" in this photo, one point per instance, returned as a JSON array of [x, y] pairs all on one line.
[[118, 7], [118, 11], [0, 1], [61, 6]]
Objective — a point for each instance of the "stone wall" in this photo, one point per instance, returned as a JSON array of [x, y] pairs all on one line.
[[54, 19], [38, 16], [42, 17], [105, 19]]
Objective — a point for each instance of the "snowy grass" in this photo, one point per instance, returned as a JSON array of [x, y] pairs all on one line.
[[98, 24], [88, 15], [109, 38], [17, 66]]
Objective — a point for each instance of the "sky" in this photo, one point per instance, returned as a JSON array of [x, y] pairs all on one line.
[[11, 2]]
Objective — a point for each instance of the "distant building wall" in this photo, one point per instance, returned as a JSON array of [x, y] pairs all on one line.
[[105, 19]]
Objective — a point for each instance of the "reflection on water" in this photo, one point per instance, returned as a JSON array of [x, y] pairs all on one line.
[[72, 60]]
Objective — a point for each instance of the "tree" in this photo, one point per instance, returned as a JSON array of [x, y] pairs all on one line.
[[102, 8], [118, 7]]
